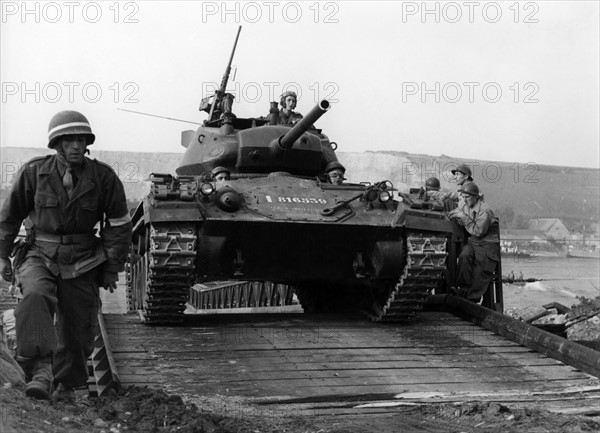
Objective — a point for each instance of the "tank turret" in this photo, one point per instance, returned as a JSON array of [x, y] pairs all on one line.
[[249, 146]]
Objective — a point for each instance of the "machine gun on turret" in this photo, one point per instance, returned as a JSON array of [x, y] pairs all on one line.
[[221, 104]]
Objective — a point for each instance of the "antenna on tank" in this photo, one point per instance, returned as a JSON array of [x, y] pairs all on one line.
[[161, 117]]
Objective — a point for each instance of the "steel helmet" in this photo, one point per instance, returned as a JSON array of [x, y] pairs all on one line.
[[470, 188], [432, 184], [69, 123], [464, 169], [285, 95], [333, 166], [220, 169]]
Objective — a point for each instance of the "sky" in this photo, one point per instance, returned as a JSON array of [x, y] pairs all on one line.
[[502, 81]]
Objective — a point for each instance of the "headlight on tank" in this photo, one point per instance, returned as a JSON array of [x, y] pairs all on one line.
[[207, 189], [228, 199], [385, 196], [371, 195]]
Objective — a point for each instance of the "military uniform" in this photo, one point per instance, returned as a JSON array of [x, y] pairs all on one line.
[[480, 256], [60, 272], [290, 118]]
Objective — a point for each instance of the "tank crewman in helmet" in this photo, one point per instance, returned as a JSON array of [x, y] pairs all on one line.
[[432, 184], [287, 115], [221, 174], [480, 256], [63, 263], [334, 171], [462, 174]]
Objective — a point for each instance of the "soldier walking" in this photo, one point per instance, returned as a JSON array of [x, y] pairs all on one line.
[[63, 263]]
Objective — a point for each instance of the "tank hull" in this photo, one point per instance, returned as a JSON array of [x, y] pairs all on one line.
[[323, 240]]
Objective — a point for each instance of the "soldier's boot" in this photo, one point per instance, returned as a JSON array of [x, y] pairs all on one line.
[[41, 381], [26, 365], [64, 393]]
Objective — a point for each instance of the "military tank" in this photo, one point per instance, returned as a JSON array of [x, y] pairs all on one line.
[[279, 228]]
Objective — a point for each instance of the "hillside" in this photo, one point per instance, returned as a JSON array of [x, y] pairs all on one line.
[[529, 190]]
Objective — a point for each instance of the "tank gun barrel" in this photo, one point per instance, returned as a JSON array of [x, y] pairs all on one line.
[[286, 141]]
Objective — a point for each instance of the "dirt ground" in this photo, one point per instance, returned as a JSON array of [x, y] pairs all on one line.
[[152, 410], [148, 410]]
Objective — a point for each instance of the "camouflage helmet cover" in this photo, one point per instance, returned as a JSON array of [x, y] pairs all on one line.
[[69, 123]]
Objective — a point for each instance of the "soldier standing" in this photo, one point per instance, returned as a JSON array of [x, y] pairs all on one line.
[[64, 195], [480, 256], [462, 174]]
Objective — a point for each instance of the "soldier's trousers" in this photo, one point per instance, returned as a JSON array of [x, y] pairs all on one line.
[[75, 302], [476, 264]]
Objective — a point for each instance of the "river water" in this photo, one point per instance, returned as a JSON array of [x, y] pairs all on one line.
[[563, 279]]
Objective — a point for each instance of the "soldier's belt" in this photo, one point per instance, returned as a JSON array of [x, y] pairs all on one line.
[[64, 239]]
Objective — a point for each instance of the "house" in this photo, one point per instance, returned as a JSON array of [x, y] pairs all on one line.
[[553, 228]]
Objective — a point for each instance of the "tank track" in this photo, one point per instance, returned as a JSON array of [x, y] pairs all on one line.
[[424, 271], [159, 281]]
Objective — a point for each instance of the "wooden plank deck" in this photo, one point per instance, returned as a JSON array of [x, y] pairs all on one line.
[[286, 358]]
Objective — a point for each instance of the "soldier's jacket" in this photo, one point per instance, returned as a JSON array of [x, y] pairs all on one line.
[[289, 119], [38, 193], [479, 221]]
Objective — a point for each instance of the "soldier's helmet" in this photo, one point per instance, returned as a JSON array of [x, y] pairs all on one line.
[[285, 95], [470, 188], [69, 123], [333, 166], [464, 169], [218, 170], [432, 184]]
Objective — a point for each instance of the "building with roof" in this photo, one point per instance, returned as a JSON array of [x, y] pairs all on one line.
[[553, 228]]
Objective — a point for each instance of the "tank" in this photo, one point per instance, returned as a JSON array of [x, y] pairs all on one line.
[[277, 228]]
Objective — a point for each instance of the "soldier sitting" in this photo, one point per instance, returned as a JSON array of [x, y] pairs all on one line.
[[480, 256]]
